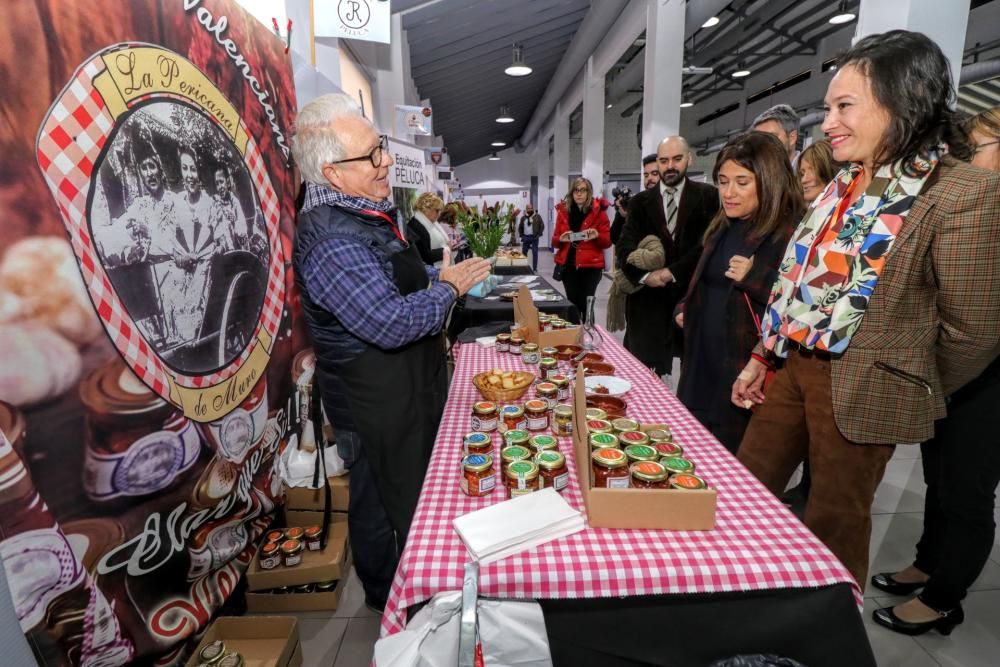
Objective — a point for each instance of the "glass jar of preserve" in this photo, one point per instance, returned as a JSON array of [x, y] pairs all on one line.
[[603, 441], [610, 468], [235, 659], [512, 454], [521, 478], [291, 553], [596, 413], [637, 453], [326, 586], [513, 417], [676, 465], [294, 533], [667, 450], [477, 443], [516, 438], [212, 652], [503, 342], [552, 470], [599, 426], [547, 392], [562, 415], [633, 438], [274, 536], [623, 424], [478, 476], [547, 366], [659, 435], [562, 384], [313, 538], [484, 416], [686, 482], [537, 412], [648, 475], [529, 353], [515, 343], [550, 352], [270, 556], [558, 325], [543, 443]]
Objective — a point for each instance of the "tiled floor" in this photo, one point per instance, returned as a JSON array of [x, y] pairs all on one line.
[[346, 637]]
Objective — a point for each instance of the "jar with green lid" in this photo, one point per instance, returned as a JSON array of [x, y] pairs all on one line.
[[677, 464], [636, 453], [624, 424], [562, 415], [519, 438], [509, 455], [603, 440], [552, 470], [633, 438], [546, 366], [659, 435], [543, 443], [648, 475], [522, 478], [610, 467]]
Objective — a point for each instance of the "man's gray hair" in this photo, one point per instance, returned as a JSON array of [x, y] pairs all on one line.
[[786, 116], [315, 144]]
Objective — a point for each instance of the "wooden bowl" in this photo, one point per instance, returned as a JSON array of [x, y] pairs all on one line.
[[567, 352], [597, 368], [593, 356], [614, 406], [496, 393]]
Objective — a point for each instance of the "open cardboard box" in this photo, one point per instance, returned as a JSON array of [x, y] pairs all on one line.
[[290, 602], [526, 315], [302, 498], [263, 641], [672, 509], [325, 565]]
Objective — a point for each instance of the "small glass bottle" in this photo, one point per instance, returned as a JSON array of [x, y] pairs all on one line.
[[596, 413], [270, 556]]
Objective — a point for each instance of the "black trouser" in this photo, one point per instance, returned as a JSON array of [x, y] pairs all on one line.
[[579, 284], [961, 469], [373, 541], [530, 242]]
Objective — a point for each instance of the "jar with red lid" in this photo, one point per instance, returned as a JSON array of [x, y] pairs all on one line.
[[547, 365], [562, 415], [270, 556], [294, 533], [478, 476], [312, 537], [599, 426], [686, 482], [637, 453], [485, 416], [291, 553], [552, 470], [633, 438], [513, 417], [521, 478], [477, 443], [548, 392], [515, 344], [503, 342], [512, 454], [648, 475], [667, 450], [537, 412], [610, 467], [562, 385]]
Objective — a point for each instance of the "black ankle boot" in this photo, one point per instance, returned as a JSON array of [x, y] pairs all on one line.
[[944, 624]]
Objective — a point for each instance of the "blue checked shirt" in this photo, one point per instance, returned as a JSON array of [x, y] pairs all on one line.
[[347, 279]]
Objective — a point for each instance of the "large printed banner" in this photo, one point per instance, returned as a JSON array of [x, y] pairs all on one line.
[[407, 177], [146, 309]]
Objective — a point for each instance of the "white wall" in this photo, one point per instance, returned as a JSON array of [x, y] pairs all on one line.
[[512, 172]]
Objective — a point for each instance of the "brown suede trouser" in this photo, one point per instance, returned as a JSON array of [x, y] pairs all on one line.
[[795, 422]]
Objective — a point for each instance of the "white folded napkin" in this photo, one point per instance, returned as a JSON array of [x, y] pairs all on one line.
[[519, 524]]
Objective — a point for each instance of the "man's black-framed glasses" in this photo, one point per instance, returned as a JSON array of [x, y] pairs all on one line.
[[375, 156]]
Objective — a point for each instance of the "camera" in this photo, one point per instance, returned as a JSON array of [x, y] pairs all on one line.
[[622, 196]]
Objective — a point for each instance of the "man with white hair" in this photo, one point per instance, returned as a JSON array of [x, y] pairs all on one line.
[[375, 313]]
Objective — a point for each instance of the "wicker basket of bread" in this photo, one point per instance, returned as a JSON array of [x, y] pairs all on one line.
[[499, 386]]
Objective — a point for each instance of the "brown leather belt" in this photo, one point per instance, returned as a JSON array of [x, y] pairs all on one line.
[[809, 352]]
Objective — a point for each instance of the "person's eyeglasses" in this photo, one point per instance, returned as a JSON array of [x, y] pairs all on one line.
[[375, 156], [979, 147], [581, 191]]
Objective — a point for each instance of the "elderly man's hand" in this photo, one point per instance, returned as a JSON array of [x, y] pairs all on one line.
[[464, 275]]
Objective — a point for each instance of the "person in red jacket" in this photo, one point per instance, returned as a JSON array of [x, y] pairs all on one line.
[[582, 232]]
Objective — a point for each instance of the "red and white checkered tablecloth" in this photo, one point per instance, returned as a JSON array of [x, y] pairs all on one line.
[[756, 544]]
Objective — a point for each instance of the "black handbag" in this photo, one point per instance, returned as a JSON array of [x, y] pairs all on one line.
[[557, 273]]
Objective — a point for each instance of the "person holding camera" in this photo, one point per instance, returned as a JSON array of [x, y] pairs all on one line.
[[581, 234], [623, 196]]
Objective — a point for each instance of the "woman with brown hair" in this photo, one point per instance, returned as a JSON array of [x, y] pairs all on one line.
[[816, 168], [582, 232], [876, 317], [720, 315], [961, 469]]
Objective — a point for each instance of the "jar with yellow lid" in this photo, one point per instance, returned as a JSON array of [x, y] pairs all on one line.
[[659, 435], [547, 366], [623, 424], [485, 416], [521, 478], [552, 470], [648, 475], [562, 415], [610, 468]]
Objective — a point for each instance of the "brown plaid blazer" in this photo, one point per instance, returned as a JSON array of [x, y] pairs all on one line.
[[933, 322]]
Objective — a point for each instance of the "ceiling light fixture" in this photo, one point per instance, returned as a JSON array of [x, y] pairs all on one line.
[[694, 69], [505, 116], [741, 72], [518, 67], [494, 156], [842, 15], [498, 143], [609, 106], [713, 21], [685, 105]]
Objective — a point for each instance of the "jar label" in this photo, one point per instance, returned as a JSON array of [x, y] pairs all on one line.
[[291, 561], [487, 483], [563, 393], [235, 434], [224, 543], [503, 347], [270, 563], [538, 423], [313, 545], [529, 357], [560, 482], [521, 491], [618, 482], [488, 424]]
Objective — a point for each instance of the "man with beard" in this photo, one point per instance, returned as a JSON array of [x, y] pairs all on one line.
[[677, 212], [650, 179], [530, 229]]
